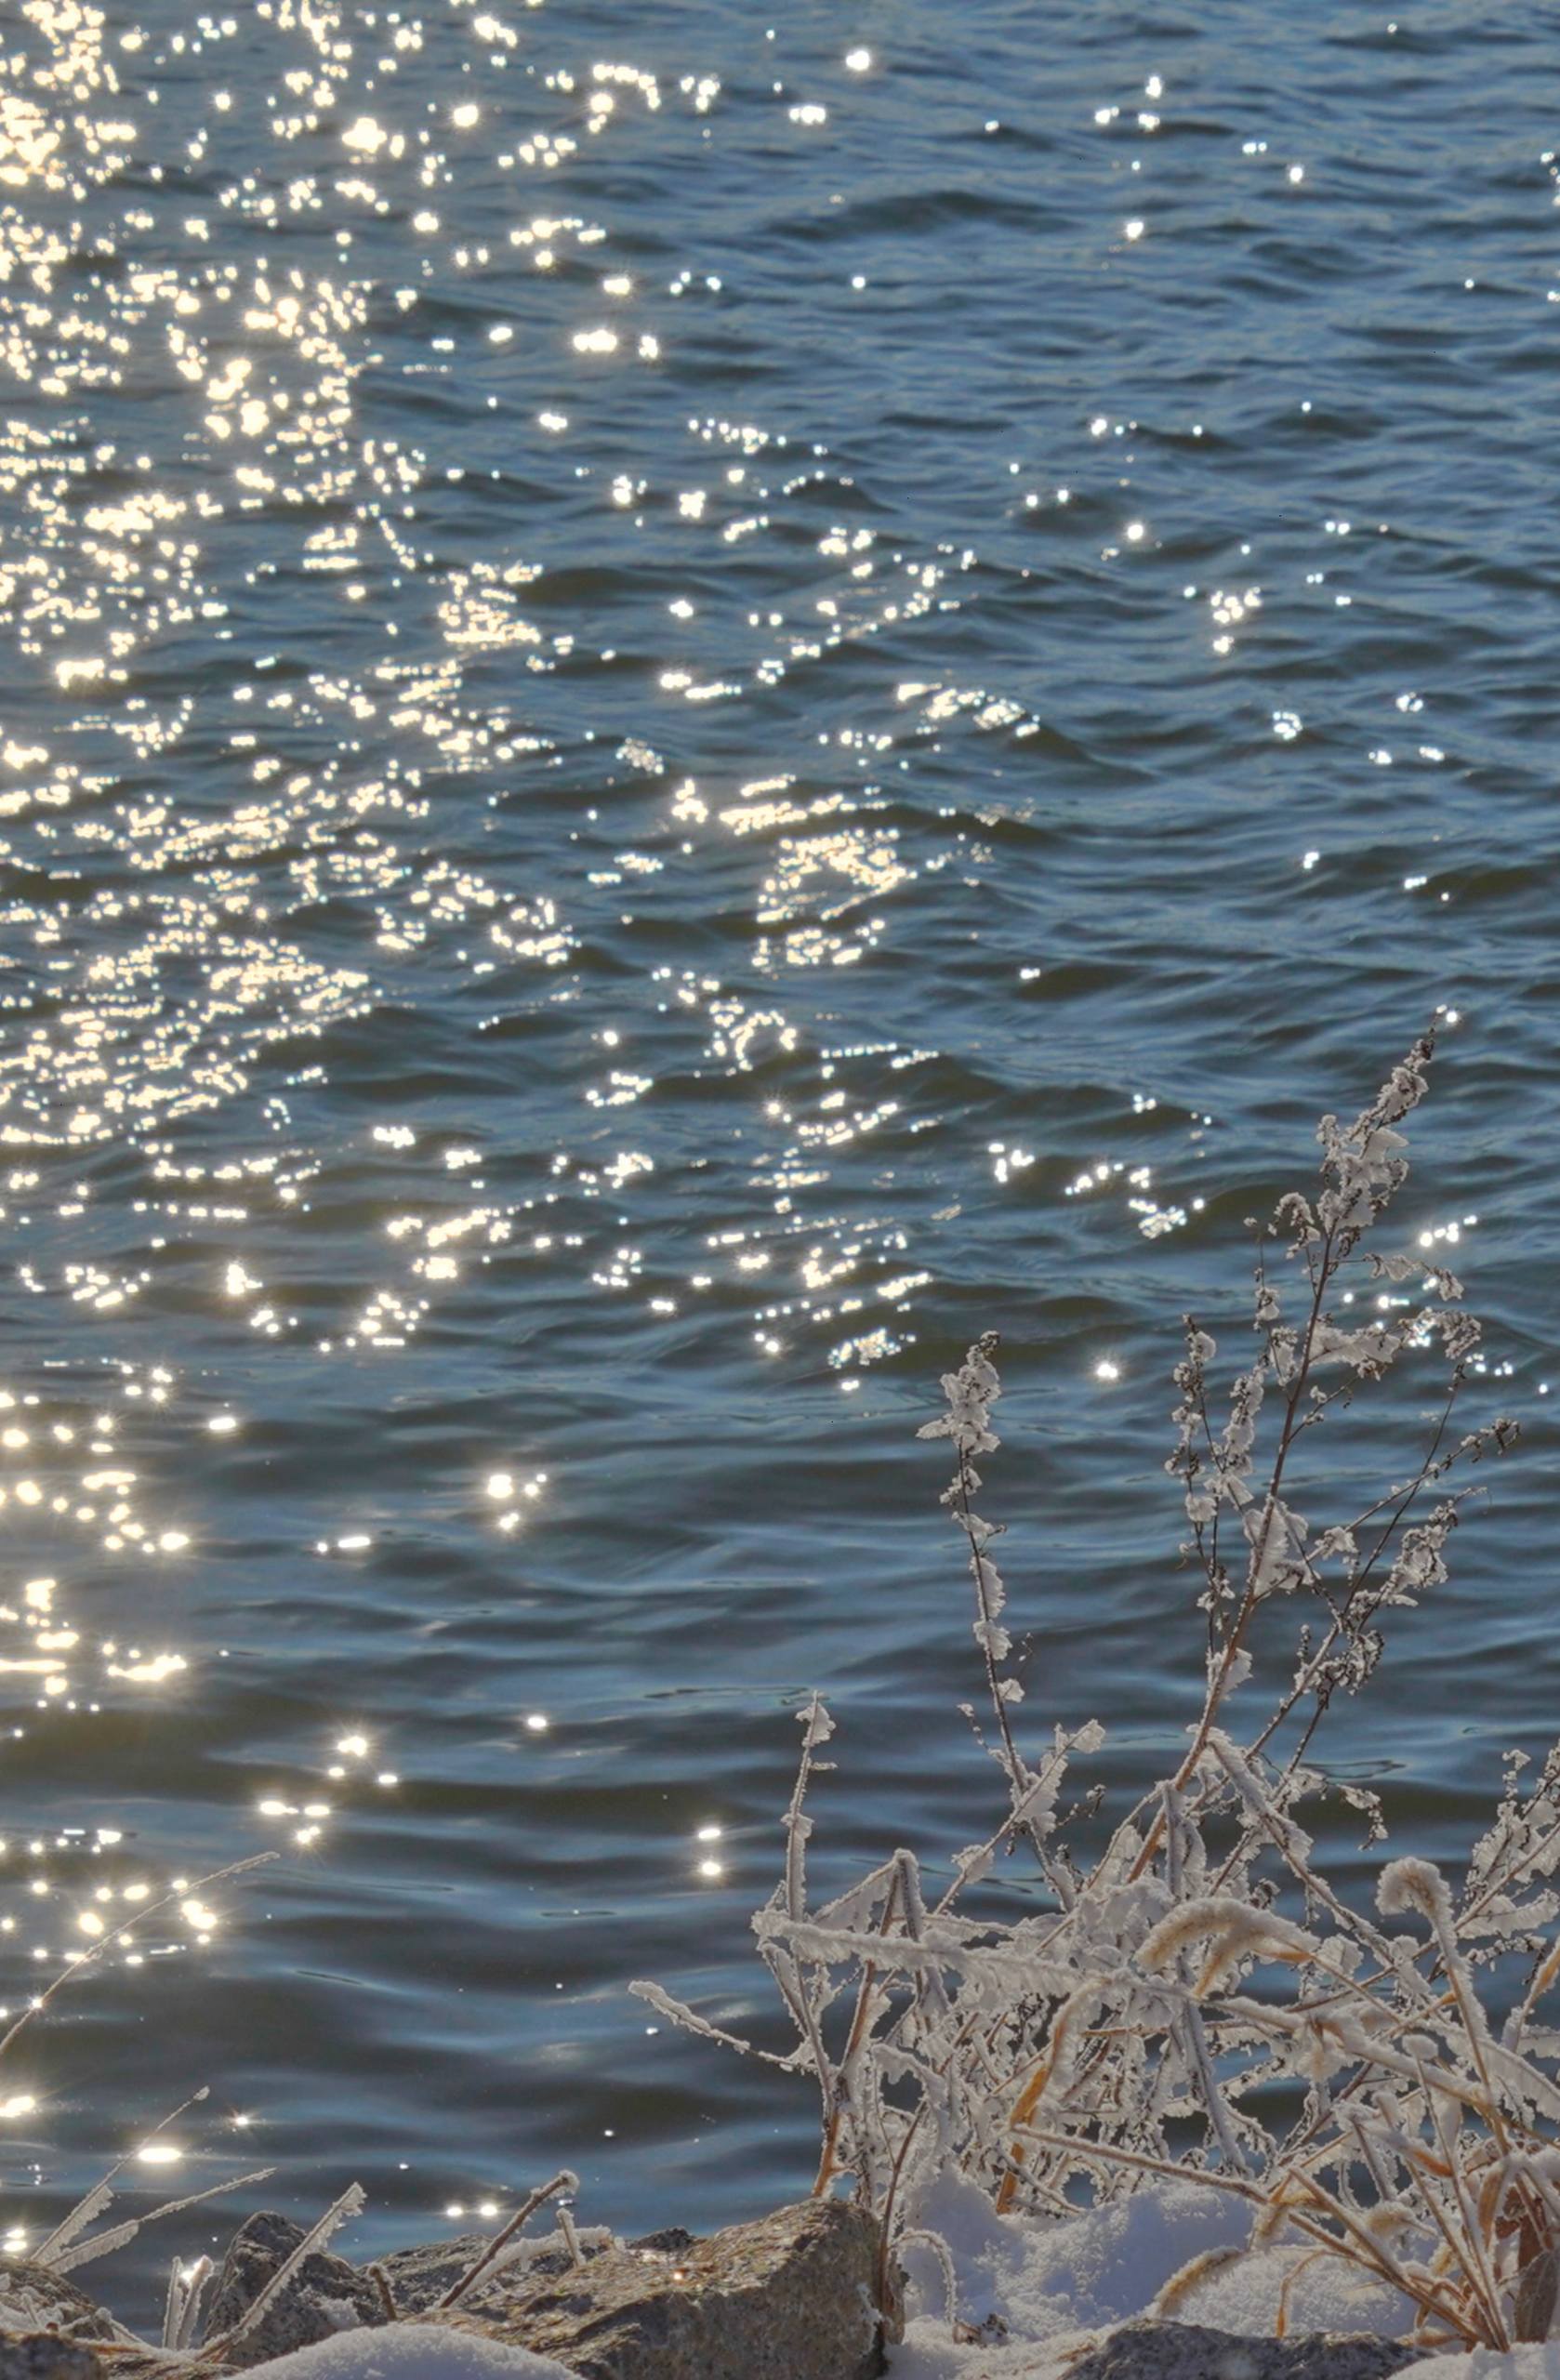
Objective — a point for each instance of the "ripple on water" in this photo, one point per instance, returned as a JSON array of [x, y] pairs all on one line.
[[689, 707]]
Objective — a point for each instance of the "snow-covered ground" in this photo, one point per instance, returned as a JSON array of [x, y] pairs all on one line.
[[412, 2351], [1052, 2285]]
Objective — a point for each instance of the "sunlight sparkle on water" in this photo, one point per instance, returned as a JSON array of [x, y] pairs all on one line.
[[377, 562]]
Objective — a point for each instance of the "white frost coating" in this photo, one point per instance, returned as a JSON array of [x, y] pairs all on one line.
[[411, 2352], [1053, 2284], [1415, 1884], [1176, 1994], [1231, 1929]]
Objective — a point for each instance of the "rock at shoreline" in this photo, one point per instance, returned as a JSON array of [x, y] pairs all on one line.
[[324, 2296], [786, 2298], [1186, 2351], [419, 2277], [32, 2298], [44, 2355], [789, 2297]]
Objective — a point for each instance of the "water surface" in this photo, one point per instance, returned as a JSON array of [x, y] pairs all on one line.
[[689, 707]]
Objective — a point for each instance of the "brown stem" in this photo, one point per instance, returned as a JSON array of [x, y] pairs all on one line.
[[1018, 1776], [1218, 1684], [828, 2163], [457, 2289], [1341, 1620]]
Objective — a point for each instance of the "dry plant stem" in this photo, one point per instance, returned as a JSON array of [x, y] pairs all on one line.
[[788, 1977], [103, 2244], [522, 2215], [827, 2165], [80, 1960], [571, 2237], [1400, 1512], [1026, 2106], [1347, 1919], [1281, 2320], [890, 2196], [1385, 2061], [1397, 1511], [173, 2304], [1018, 1776], [1207, 1553], [1543, 1977], [1235, 1641], [1073, 2146], [1477, 1908], [1191, 2277], [182, 2304], [1360, 2249], [1055, 2052], [961, 2041], [939, 2248], [122, 2343], [1483, 2324], [66, 2247], [1472, 2027], [1469, 2234], [985, 1852], [1485, 2105], [88, 2208], [1196, 2038], [1340, 2099], [351, 2202], [195, 2281]]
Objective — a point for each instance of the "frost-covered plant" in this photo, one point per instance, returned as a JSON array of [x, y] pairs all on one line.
[[1199, 1972], [73, 2242]]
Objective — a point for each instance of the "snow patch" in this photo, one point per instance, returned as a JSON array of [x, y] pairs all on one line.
[[411, 2352], [1037, 2289]]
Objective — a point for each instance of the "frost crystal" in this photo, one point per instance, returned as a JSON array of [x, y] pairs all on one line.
[[1182, 1993]]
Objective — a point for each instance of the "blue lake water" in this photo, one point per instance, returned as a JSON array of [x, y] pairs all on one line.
[[688, 707]]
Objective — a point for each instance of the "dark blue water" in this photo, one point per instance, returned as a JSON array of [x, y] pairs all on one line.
[[689, 707]]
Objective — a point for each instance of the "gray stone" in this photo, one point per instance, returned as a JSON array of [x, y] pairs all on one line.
[[1186, 2351], [326, 2295], [44, 2355], [672, 2241], [419, 2277], [33, 2298], [786, 2298]]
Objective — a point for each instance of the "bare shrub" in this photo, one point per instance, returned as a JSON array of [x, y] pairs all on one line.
[[1134, 2025]]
